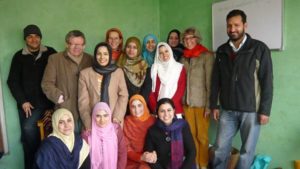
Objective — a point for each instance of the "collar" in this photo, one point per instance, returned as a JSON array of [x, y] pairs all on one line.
[[240, 46]]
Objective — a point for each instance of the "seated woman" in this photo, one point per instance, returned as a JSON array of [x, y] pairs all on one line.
[[171, 139], [137, 73], [135, 129], [148, 51], [103, 82], [62, 149], [107, 142], [168, 79]]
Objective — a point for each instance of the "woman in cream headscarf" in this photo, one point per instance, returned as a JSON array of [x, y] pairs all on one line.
[[63, 149]]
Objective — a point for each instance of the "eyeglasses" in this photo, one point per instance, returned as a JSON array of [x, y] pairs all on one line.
[[76, 45], [189, 38]]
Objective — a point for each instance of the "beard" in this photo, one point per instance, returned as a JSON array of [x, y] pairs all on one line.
[[236, 36]]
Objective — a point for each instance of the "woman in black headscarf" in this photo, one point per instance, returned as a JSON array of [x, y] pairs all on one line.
[[174, 41], [103, 82]]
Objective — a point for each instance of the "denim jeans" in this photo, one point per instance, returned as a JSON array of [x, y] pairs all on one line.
[[229, 124], [30, 135]]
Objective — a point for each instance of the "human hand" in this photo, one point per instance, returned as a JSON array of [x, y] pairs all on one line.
[[27, 109], [216, 114], [206, 113], [263, 119], [149, 157], [60, 99], [115, 120]]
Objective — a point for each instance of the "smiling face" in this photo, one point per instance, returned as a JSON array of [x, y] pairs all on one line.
[[131, 50], [102, 118], [137, 108], [114, 40], [190, 41], [150, 45], [164, 54], [166, 113], [236, 28], [173, 40], [102, 56], [66, 125], [75, 46], [33, 42]]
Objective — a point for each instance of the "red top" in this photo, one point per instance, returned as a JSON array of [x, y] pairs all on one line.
[[177, 98]]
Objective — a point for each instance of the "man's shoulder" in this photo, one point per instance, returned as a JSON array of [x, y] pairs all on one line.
[[50, 49]]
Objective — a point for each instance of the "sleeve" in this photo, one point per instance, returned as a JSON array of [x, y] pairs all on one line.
[[177, 98], [49, 80], [14, 80], [121, 105], [153, 96], [122, 149], [265, 76], [147, 85], [189, 148], [214, 90], [209, 62], [84, 102], [149, 146]]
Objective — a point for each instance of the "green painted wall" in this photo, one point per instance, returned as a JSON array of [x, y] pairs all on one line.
[[279, 139]]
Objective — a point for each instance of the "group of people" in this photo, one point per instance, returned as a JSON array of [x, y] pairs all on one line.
[[144, 105]]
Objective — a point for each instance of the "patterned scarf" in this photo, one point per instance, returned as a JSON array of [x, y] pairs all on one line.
[[175, 133]]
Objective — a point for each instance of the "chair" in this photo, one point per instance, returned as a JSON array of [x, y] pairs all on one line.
[[45, 125]]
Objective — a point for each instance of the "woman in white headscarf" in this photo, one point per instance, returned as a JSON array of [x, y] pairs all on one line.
[[62, 149], [168, 78]]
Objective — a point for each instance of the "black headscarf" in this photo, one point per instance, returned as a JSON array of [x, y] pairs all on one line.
[[177, 50], [105, 71]]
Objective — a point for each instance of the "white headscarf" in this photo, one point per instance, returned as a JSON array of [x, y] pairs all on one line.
[[168, 73]]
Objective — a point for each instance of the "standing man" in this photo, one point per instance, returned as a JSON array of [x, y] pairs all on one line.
[[60, 81], [24, 81], [243, 80]]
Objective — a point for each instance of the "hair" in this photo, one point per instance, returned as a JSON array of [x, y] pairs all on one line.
[[105, 45], [164, 101], [237, 12], [74, 33], [175, 31], [192, 31]]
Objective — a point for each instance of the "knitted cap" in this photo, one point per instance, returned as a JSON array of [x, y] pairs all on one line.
[[32, 29]]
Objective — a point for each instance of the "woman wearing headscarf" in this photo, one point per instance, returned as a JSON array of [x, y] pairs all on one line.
[[173, 40], [137, 73], [107, 142], [198, 62], [103, 82], [168, 79], [62, 149], [170, 139], [148, 51], [114, 38], [135, 129]]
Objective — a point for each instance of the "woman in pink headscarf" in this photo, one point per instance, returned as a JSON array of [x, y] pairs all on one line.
[[107, 142]]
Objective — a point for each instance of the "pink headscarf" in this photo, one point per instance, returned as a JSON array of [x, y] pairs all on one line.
[[103, 141]]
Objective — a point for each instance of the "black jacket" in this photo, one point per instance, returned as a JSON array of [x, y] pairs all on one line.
[[156, 141], [25, 76], [245, 83]]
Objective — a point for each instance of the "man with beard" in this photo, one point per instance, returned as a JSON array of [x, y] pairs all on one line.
[[243, 81], [24, 81]]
